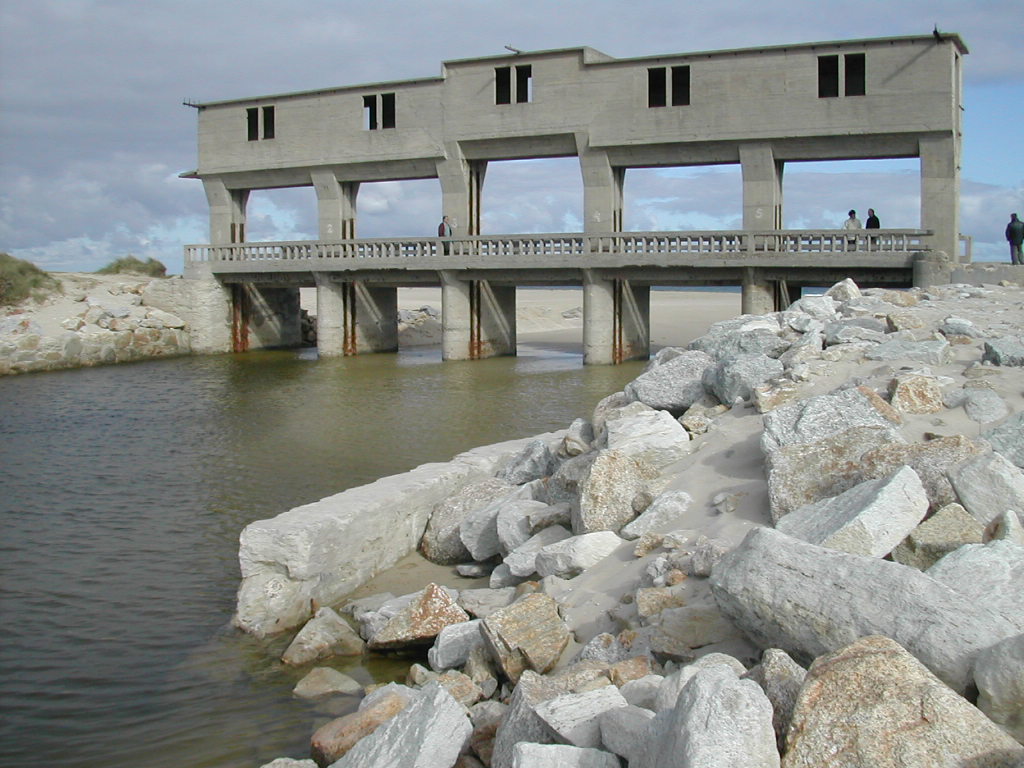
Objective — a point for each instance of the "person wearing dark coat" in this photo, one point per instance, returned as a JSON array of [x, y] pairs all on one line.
[[872, 222], [1015, 236]]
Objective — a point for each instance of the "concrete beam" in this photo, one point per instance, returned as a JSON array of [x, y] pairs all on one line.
[[336, 205], [227, 212]]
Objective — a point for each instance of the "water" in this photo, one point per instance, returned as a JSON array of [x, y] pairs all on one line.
[[122, 493]]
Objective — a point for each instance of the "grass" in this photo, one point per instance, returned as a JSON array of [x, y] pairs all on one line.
[[131, 265], [21, 279]]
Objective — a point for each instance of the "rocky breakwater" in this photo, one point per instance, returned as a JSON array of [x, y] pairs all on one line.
[[797, 542], [96, 320]]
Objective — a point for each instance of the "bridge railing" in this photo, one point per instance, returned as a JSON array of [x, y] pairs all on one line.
[[559, 246]]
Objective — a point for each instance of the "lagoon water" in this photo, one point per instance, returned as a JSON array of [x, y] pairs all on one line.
[[122, 493]]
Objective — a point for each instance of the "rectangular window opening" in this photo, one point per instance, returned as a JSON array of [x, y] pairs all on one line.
[[680, 86], [524, 82], [854, 75], [503, 85], [828, 77], [268, 122], [370, 112], [656, 87], [387, 110], [252, 116]]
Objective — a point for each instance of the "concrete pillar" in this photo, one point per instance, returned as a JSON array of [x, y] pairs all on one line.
[[211, 311], [602, 189], [227, 212], [336, 206], [940, 192], [330, 316], [371, 318], [762, 187], [462, 184], [616, 320], [932, 268], [478, 319], [758, 297], [265, 317]]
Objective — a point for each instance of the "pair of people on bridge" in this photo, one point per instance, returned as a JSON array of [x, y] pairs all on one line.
[[854, 223]]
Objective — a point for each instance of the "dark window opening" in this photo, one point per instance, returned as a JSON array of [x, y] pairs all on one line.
[[680, 86], [854, 76], [503, 85], [252, 116], [524, 77], [522, 85], [387, 110], [656, 87], [828, 77], [268, 122], [370, 111]]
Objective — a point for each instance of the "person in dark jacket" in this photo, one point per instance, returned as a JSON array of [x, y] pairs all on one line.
[[1015, 236], [872, 222], [444, 230]]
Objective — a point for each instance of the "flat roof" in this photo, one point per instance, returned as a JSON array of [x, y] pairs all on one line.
[[594, 57]]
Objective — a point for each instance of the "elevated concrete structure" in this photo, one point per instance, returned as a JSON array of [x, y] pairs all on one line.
[[758, 108]]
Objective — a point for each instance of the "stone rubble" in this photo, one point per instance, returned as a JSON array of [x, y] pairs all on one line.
[[796, 543]]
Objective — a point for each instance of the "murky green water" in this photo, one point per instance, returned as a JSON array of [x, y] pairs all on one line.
[[122, 494]]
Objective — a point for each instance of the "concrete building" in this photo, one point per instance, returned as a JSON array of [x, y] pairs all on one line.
[[760, 108]]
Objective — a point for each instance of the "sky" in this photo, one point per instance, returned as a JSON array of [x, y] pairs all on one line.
[[94, 134]]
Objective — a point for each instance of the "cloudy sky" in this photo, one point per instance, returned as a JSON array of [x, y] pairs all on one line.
[[93, 133]]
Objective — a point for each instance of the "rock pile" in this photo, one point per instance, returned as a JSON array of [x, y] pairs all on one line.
[[111, 319], [798, 542]]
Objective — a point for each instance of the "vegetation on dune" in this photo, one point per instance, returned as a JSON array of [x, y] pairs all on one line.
[[20, 279], [131, 265]]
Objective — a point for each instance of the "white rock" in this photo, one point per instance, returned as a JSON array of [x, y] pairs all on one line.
[[528, 755], [623, 730], [326, 634], [513, 522], [572, 556], [574, 718], [869, 519], [654, 437], [988, 574], [642, 692], [435, 723], [664, 510], [453, 645], [999, 675], [673, 684], [988, 486], [522, 560]]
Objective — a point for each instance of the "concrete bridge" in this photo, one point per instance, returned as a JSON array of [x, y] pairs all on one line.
[[357, 280]]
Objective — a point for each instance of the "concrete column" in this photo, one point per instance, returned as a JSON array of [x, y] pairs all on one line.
[[758, 297], [462, 184], [227, 212], [478, 319], [933, 268], [616, 321], [371, 318], [265, 317], [330, 316], [336, 206], [602, 189], [210, 317], [762, 187], [940, 192]]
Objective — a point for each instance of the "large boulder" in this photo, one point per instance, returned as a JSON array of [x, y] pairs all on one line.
[[988, 485], [999, 675], [453, 645], [781, 679], [435, 723], [988, 574], [529, 755], [535, 461], [815, 418], [326, 634], [574, 718], [869, 519], [673, 385], [441, 542], [735, 378], [527, 635], [572, 556], [1008, 438], [653, 437], [430, 610], [948, 529], [664, 511], [718, 721], [522, 561], [808, 600], [334, 739], [609, 491], [873, 704]]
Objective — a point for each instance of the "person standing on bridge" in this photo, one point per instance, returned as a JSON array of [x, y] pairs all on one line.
[[1015, 237], [872, 222], [444, 230], [851, 223]]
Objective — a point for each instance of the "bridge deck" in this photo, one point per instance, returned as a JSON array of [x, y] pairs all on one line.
[[654, 257]]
